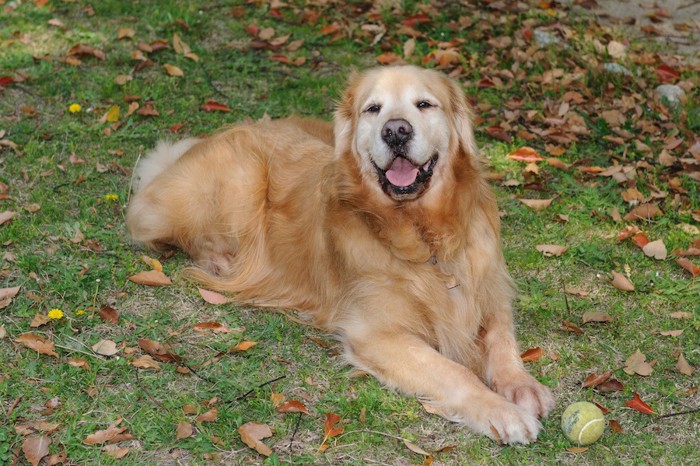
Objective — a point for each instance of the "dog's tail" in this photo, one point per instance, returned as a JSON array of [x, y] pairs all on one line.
[[158, 160]]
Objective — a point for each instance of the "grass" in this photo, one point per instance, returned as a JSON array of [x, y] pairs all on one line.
[[84, 274]]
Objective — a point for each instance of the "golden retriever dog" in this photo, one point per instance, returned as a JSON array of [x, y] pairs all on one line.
[[380, 228]]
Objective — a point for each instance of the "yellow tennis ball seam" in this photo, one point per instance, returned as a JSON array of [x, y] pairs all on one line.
[[585, 426]]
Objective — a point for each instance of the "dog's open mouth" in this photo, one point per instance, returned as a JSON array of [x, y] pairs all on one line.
[[403, 180]]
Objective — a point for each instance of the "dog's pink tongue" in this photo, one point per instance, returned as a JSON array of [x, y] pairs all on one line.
[[402, 172]]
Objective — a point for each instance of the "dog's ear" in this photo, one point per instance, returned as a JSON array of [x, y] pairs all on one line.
[[463, 118], [344, 119]]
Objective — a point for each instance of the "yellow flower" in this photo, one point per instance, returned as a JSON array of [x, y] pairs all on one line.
[[55, 314], [79, 312], [111, 197], [75, 108]]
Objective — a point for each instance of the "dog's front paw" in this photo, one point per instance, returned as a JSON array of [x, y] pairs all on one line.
[[510, 423], [527, 392]]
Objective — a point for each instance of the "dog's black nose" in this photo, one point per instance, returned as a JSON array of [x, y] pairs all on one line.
[[397, 132]]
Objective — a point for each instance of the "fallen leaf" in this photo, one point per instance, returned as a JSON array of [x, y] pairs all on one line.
[[159, 350], [3, 332], [105, 348], [213, 297], [671, 333], [38, 320], [6, 296], [415, 448], [596, 316], [125, 33], [683, 366], [79, 362], [602, 408], [115, 451], [113, 433], [616, 49], [152, 263], [643, 212], [215, 327], [536, 204], [640, 240], [680, 315], [292, 406], [6, 216], [551, 249], [621, 282], [656, 249], [209, 416], [146, 362], [36, 448], [252, 433], [615, 426], [532, 354], [173, 70], [571, 327], [612, 385], [109, 314], [211, 106], [243, 346], [636, 364], [594, 380], [525, 154], [151, 278], [684, 262], [639, 405], [576, 450], [39, 344], [277, 399], [330, 430], [184, 430]]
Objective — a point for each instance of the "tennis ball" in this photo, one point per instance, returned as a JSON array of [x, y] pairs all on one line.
[[583, 422]]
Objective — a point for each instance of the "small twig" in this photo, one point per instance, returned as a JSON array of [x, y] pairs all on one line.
[[206, 379], [680, 413], [246, 394], [296, 428], [211, 83], [566, 300], [138, 382], [14, 405]]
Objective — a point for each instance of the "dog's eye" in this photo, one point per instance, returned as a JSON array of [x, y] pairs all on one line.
[[423, 104], [374, 108]]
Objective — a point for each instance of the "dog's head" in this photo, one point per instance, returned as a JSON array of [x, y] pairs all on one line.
[[406, 126]]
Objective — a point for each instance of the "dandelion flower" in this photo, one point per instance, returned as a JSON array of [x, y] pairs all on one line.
[[79, 312], [111, 197], [55, 314], [75, 108]]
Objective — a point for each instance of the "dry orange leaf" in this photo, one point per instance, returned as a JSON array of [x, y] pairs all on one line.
[[252, 433], [79, 362], [615, 426], [209, 416], [532, 355], [292, 406], [244, 346], [551, 249], [655, 249], [525, 154], [38, 320], [6, 216], [184, 430], [146, 362], [151, 278], [151, 262], [643, 212], [39, 344], [636, 364], [621, 282], [639, 405], [671, 333], [115, 451], [36, 448], [105, 348], [173, 70], [212, 297], [594, 380], [113, 433], [684, 262], [6, 295], [683, 366], [536, 204], [277, 399], [596, 316], [109, 314]]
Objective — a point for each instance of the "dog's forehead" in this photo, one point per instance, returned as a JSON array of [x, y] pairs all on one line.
[[401, 84]]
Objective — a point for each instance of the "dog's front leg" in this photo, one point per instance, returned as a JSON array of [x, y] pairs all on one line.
[[409, 363], [504, 368]]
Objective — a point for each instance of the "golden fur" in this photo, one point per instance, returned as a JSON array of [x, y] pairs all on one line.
[[297, 213]]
